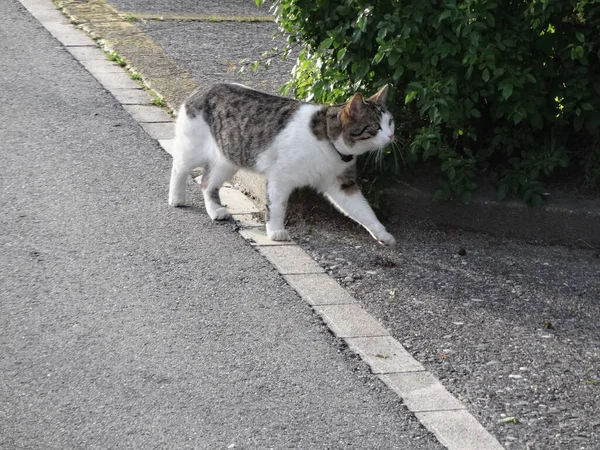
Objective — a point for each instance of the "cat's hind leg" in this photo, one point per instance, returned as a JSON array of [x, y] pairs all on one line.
[[188, 153], [213, 178], [179, 174]]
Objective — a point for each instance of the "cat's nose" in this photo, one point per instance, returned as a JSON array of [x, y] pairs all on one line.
[[391, 137]]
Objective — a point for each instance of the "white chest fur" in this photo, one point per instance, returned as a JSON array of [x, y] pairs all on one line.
[[298, 157]]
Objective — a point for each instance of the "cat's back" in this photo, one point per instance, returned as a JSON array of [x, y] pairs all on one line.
[[242, 121]]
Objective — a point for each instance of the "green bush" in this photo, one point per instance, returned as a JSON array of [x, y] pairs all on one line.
[[505, 89]]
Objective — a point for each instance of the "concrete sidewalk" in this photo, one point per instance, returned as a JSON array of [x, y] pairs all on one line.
[[128, 324]]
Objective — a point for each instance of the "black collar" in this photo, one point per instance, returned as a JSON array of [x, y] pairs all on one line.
[[345, 158]]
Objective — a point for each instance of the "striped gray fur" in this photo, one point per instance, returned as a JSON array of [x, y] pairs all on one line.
[[213, 194], [347, 180], [243, 122], [330, 121]]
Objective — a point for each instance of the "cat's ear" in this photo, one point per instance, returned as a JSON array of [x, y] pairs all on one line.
[[354, 105], [381, 95]]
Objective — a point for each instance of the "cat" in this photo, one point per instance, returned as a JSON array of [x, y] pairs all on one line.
[[294, 144]]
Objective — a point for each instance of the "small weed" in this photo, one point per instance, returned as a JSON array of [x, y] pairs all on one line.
[[511, 419], [159, 101], [116, 58], [130, 18], [135, 76], [382, 355], [590, 382]]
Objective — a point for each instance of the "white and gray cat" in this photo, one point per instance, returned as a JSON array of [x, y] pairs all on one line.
[[292, 143]]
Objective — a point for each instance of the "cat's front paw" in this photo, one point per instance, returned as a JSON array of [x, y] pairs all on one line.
[[219, 214], [386, 239], [278, 235], [176, 201]]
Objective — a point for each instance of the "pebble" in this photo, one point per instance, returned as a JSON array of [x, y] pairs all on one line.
[[371, 272], [348, 280], [515, 376]]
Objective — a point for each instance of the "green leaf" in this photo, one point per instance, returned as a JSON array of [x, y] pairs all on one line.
[[451, 173], [580, 37], [341, 54], [398, 73], [586, 106], [517, 117], [485, 75], [326, 43], [362, 23], [507, 91], [410, 96], [475, 113]]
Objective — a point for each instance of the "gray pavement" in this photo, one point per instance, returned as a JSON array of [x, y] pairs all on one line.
[[127, 324]]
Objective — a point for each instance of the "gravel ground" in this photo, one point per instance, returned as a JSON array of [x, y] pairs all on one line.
[[208, 50], [246, 7], [510, 328]]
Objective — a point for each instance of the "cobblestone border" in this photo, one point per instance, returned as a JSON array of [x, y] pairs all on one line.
[[422, 393]]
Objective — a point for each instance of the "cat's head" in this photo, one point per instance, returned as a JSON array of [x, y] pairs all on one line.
[[366, 124]]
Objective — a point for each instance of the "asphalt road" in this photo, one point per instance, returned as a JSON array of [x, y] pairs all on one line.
[[128, 324]]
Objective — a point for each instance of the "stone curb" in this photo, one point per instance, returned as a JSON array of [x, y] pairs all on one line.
[[440, 412]]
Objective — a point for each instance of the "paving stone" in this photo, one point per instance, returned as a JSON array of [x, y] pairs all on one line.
[[290, 259], [421, 391], [143, 113], [350, 321], [319, 289], [384, 355], [68, 35], [167, 145], [140, 97], [100, 67], [44, 11], [91, 54], [116, 80], [259, 237], [458, 430], [160, 130], [236, 201]]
